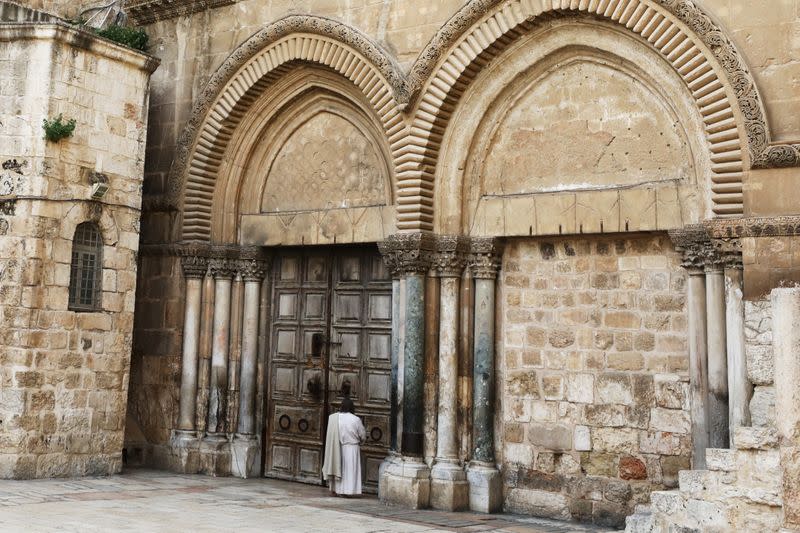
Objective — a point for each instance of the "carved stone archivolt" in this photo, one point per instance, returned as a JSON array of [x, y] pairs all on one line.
[[438, 79]]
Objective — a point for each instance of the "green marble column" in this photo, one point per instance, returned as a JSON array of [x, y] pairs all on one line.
[[414, 365], [483, 372]]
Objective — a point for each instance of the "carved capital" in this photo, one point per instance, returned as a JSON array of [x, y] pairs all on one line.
[[408, 253], [484, 257], [252, 269], [223, 268], [693, 243], [452, 252], [194, 266]]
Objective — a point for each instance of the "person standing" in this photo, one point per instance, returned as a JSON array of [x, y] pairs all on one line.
[[351, 435]]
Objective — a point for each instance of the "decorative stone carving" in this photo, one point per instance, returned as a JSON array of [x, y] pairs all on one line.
[[253, 264], [484, 258], [194, 266], [306, 36], [326, 163], [144, 12], [451, 255], [693, 243], [408, 253], [736, 228]]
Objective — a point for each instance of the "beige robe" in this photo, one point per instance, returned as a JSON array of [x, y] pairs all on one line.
[[351, 435], [332, 464]]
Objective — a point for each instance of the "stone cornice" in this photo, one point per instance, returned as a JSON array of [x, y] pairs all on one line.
[[148, 11], [736, 228], [78, 38]]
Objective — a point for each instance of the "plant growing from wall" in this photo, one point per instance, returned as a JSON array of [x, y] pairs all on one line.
[[135, 38], [56, 129]]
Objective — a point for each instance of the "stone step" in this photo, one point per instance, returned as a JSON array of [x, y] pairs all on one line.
[[755, 438], [720, 459], [641, 521]]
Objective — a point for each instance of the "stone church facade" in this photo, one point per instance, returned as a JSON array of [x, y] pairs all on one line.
[[544, 245]]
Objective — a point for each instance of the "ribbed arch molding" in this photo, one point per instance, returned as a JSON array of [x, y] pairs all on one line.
[[488, 35], [245, 76]]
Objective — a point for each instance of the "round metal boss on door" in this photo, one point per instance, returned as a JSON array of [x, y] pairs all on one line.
[[285, 422], [302, 425], [376, 433]]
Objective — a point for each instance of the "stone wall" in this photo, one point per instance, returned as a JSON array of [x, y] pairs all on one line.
[[595, 386], [760, 361], [64, 374]]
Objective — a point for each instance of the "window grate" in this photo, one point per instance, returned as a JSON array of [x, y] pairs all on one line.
[[86, 269]]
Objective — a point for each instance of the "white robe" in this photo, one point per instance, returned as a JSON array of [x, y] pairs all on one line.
[[351, 434]]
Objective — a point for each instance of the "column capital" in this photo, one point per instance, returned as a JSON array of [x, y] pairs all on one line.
[[451, 255], [408, 253], [253, 264], [694, 244], [222, 268], [484, 257], [194, 259]]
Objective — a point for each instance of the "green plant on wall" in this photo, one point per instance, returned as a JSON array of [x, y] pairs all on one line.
[[135, 38], [56, 129]]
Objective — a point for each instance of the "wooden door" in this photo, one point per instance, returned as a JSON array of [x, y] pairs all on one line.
[[331, 336]]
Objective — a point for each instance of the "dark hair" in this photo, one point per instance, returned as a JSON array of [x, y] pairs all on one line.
[[347, 405]]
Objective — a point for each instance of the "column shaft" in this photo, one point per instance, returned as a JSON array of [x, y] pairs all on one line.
[[191, 341], [739, 389], [717, 359], [413, 366], [483, 373], [219, 355], [447, 441], [698, 367], [247, 386], [396, 325]]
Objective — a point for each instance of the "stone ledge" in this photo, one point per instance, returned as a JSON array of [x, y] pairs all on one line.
[[78, 38], [755, 438]]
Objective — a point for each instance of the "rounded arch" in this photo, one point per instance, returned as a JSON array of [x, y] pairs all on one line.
[[683, 35], [246, 74]]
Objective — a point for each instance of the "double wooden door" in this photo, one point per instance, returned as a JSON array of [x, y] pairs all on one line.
[[330, 338]]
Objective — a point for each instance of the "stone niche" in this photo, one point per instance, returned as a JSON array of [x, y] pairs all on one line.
[[321, 176]]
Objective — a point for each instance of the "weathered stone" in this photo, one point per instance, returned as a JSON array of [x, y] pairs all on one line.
[[632, 468]]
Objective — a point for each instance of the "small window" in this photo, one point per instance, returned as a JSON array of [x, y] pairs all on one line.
[[85, 276]]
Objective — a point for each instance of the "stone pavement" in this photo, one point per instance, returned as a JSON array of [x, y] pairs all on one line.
[[151, 501]]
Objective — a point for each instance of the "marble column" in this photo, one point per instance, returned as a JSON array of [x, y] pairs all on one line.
[[485, 493], [786, 345], [405, 479], [694, 244], [244, 451], [194, 270], [449, 487], [739, 388], [716, 339], [223, 271]]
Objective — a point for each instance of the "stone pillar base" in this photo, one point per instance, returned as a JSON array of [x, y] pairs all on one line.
[[245, 455], [184, 451], [485, 488], [406, 482], [449, 487], [215, 456]]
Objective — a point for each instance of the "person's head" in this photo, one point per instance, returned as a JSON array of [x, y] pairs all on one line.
[[347, 405]]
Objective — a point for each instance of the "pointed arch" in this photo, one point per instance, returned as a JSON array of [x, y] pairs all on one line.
[[246, 74], [709, 65]]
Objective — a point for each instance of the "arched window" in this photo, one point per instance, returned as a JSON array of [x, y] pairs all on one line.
[[86, 270]]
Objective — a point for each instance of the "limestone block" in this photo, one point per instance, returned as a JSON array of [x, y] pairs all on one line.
[[671, 420], [760, 364], [582, 439], [755, 438], [485, 489], [538, 503], [721, 459], [668, 502], [553, 437], [762, 406], [614, 388]]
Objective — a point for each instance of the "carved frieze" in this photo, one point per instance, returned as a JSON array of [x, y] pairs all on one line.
[[148, 11]]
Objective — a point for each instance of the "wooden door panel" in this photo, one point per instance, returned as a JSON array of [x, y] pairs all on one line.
[[332, 325]]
